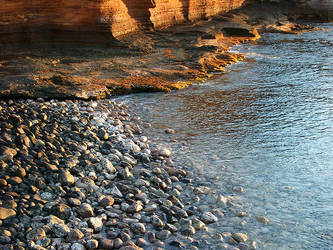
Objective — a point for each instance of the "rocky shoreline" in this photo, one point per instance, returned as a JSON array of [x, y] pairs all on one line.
[[82, 175], [146, 61]]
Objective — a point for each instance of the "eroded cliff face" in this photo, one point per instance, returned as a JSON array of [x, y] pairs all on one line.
[[31, 21]]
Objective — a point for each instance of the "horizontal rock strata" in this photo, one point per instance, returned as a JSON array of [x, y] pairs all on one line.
[[90, 21]]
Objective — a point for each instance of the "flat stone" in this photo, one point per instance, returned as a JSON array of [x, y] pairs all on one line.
[[6, 213], [239, 237], [208, 218]]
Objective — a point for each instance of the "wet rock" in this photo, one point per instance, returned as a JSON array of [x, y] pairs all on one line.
[[176, 243], [141, 242], [5, 240], [238, 189], [165, 152], [208, 218], [198, 224], [163, 235], [188, 230], [262, 219], [221, 201], [135, 207], [239, 237], [169, 131], [15, 180]]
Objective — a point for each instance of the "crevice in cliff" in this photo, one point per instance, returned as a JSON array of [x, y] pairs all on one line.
[[139, 10], [186, 9]]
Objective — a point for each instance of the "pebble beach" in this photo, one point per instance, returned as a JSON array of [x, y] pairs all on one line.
[[84, 175]]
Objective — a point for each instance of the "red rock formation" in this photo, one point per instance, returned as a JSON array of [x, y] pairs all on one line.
[[97, 20]]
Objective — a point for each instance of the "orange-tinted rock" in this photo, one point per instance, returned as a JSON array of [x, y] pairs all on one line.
[[97, 21]]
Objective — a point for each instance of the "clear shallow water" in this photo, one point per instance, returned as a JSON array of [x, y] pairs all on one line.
[[269, 119]]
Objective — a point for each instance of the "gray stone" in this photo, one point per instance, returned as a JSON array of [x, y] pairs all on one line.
[[163, 235], [221, 201], [106, 201], [96, 223], [141, 242], [85, 210], [77, 246], [60, 230], [116, 192], [165, 152], [135, 207], [58, 226], [188, 230], [45, 242], [62, 211], [66, 178], [208, 217], [36, 234], [198, 224], [118, 243], [104, 243], [92, 244], [239, 237], [138, 228], [156, 221], [74, 235]]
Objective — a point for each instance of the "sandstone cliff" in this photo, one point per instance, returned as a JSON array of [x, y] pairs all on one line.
[[31, 21]]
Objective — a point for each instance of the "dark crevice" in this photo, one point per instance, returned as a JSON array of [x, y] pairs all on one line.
[[139, 10]]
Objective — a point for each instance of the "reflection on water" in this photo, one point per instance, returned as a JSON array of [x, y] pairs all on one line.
[[270, 120]]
